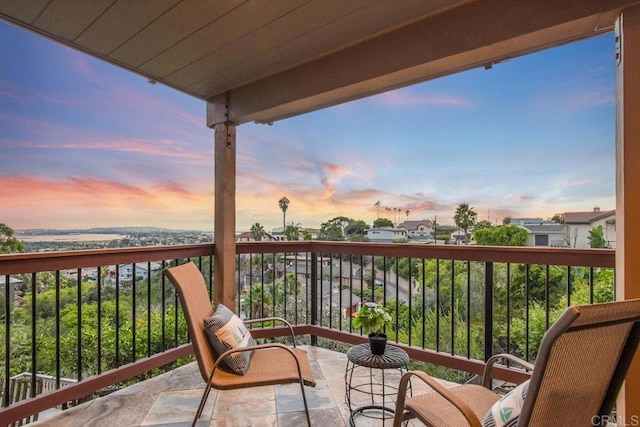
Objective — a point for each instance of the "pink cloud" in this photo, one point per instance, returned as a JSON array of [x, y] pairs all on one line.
[[519, 198], [106, 90], [28, 95], [403, 98], [578, 182], [65, 138], [167, 148], [8, 91], [596, 97]]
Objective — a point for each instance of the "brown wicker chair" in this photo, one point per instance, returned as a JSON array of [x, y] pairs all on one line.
[[270, 363], [580, 367]]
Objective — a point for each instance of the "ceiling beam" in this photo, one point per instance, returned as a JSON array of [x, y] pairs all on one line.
[[475, 34]]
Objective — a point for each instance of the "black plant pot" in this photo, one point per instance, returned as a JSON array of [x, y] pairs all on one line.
[[377, 343]]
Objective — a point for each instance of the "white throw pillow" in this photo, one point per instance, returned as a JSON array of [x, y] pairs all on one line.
[[506, 411], [225, 331]]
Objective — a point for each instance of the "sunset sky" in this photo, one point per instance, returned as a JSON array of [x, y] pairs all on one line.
[[86, 144]]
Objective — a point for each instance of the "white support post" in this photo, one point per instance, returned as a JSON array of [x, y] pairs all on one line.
[[225, 214]]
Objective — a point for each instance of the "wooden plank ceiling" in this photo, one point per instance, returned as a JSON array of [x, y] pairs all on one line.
[[271, 59]]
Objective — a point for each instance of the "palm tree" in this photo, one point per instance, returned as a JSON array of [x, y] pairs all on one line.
[[292, 231], [257, 231], [388, 210], [596, 237], [284, 205], [259, 302], [377, 205], [407, 213], [465, 218]]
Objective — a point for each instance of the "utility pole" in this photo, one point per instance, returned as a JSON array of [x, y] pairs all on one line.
[[435, 229]]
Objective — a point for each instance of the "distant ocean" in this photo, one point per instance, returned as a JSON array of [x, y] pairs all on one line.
[[83, 237]]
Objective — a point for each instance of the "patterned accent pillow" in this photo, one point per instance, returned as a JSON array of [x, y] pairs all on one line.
[[225, 331], [506, 411]]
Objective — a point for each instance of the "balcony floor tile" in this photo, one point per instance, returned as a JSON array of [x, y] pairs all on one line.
[[171, 399]]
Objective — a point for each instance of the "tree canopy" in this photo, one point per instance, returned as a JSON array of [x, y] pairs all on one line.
[[382, 222], [504, 235], [482, 224], [343, 228], [558, 218], [8, 243]]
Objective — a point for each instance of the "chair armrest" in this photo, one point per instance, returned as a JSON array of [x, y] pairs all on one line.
[[486, 376], [464, 409], [276, 319]]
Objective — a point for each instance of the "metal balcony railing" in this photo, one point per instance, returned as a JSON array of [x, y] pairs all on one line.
[[108, 316]]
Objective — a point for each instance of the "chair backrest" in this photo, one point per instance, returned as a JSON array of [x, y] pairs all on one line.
[[196, 305], [581, 365]]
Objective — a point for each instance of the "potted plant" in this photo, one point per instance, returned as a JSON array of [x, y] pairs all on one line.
[[372, 318]]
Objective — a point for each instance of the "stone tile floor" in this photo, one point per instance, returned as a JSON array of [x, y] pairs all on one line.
[[171, 399]]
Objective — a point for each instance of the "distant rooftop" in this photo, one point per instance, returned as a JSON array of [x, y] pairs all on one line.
[[526, 221], [544, 228], [586, 217]]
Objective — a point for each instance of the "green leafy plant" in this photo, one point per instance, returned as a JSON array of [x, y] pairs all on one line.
[[372, 318]]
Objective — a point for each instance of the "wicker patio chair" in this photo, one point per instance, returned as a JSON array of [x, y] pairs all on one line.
[[270, 363], [580, 367]]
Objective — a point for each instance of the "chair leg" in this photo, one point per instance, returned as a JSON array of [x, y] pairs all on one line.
[[205, 395], [304, 399]]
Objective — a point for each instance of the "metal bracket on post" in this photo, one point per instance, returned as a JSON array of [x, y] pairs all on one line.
[[618, 41], [219, 110], [230, 136]]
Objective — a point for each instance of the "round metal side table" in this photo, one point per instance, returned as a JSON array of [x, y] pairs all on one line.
[[360, 355]]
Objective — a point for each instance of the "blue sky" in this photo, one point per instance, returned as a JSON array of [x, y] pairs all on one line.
[[86, 144]]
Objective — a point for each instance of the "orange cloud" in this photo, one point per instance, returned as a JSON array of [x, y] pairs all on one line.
[[78, 202]]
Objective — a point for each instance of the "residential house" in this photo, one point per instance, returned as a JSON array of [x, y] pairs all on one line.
[[545, 234], [577, 226], [418, 230], [314, 232], [15, 295], [248, 237], [88, 273], [278, 234], [301, 266], [541, 232], [526, 221], [348, 302], [142, 270], [386, 234], [458, 237]]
